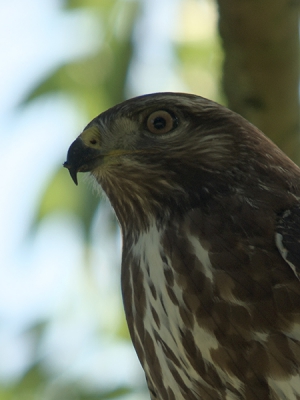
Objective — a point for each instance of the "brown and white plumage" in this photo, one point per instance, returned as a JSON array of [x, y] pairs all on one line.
[[210, 216]]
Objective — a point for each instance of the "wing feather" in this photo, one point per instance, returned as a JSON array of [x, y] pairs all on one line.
[[288, 237]]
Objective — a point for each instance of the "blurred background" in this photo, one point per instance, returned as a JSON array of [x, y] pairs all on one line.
[[63, 334]]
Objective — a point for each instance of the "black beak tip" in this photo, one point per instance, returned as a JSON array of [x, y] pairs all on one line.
[[72, 172]]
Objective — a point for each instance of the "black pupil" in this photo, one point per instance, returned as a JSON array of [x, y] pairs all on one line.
[[159, 123]]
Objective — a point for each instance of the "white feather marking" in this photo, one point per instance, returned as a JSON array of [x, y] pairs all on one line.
[[203, 256], [294, 332], [148, 250], [260, 337], [288, 389], [231, 396], [149, 247], [284, 252]]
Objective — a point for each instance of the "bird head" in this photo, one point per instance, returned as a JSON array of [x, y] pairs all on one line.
[[165, 124], [165, 151]]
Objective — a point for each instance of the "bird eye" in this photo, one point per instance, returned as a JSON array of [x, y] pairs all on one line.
[[160, 122]]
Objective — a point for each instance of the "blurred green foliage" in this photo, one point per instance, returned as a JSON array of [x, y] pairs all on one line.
[[94, 83], [79, 200]]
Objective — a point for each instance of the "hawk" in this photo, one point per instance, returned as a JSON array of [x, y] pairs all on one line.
[[210, 216]]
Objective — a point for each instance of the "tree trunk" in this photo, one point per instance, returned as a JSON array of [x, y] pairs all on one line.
[[261, 66]]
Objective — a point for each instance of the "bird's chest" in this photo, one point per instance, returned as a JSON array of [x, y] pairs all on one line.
[[161, 297], [200, 319]]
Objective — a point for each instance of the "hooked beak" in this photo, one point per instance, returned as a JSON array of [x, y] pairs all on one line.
[[82, 157]]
